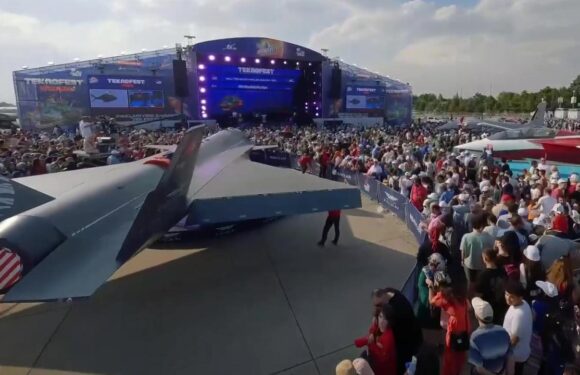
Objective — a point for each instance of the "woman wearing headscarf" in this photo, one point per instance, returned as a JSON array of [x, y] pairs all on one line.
[[425, 313], [433, 244]]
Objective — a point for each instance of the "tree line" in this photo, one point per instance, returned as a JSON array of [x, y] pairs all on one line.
[[523, 102]]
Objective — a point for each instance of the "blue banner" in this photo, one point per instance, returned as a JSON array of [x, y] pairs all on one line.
[[277, 158], [414, 218], [368, 185], [347, 176], [392, 201]]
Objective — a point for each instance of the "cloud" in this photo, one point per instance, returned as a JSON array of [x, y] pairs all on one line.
[[456, 47]]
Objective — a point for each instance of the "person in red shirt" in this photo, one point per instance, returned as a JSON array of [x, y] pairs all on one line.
[[418, 194], [305, 161], [333, 218], [381, 353], [452, 300]]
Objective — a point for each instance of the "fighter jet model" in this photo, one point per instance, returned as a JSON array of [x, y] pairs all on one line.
[[530, 141], [491, 126], [65, 234]]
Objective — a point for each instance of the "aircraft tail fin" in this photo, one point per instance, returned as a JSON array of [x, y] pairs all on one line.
[[169, 202], [537, 120]]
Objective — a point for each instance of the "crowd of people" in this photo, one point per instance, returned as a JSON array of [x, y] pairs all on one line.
[[496, 267], [27, 153], [495, 282], [564, 124]]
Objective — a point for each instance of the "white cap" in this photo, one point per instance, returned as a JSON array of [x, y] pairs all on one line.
[[443, 204], [573, 177], [522, 211], [548, 288], [433, 196], [449, 181], [463, 197], [554, 180], [532, 253], [482, 310], [407, 174], [562, 181], [485, 168], [413, 177], [485, 188]]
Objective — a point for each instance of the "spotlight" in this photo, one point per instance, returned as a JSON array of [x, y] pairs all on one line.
[[203, 107], [50, 63], [201, 78], [314, 103], [309, 64], [257, 61], [211, 57], [203, 101], [243, 60], [202, 89], [316, 114], [272, 62], [285, 62], [228, 59], [313, 72], [317, 108], [201, 66], [204, 115], [297, 63]]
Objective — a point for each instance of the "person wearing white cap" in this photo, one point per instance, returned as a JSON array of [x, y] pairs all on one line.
[[490, 346], [531, 270]]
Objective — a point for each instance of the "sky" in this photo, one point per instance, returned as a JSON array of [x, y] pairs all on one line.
[[440, 46]]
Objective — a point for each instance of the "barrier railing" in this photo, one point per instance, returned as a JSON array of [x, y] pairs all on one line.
[[391, 200]]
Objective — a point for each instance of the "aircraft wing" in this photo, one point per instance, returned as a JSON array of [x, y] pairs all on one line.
[[246, 190], [89, 256], [79, 266]]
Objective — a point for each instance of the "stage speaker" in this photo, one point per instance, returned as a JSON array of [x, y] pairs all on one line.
[[335, 83], [180, 79]]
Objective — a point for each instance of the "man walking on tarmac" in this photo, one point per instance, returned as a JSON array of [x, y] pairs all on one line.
[[333, 218]]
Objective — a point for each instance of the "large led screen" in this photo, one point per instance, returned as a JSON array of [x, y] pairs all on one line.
[[126, 94], [244, 89], [365, 97]]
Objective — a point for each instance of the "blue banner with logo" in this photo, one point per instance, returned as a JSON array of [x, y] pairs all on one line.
[[392, 201], [414, 218], [347, 176], [368, 185], [277, 158]]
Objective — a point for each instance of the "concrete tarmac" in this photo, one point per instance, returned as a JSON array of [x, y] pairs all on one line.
[[263, 301]]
